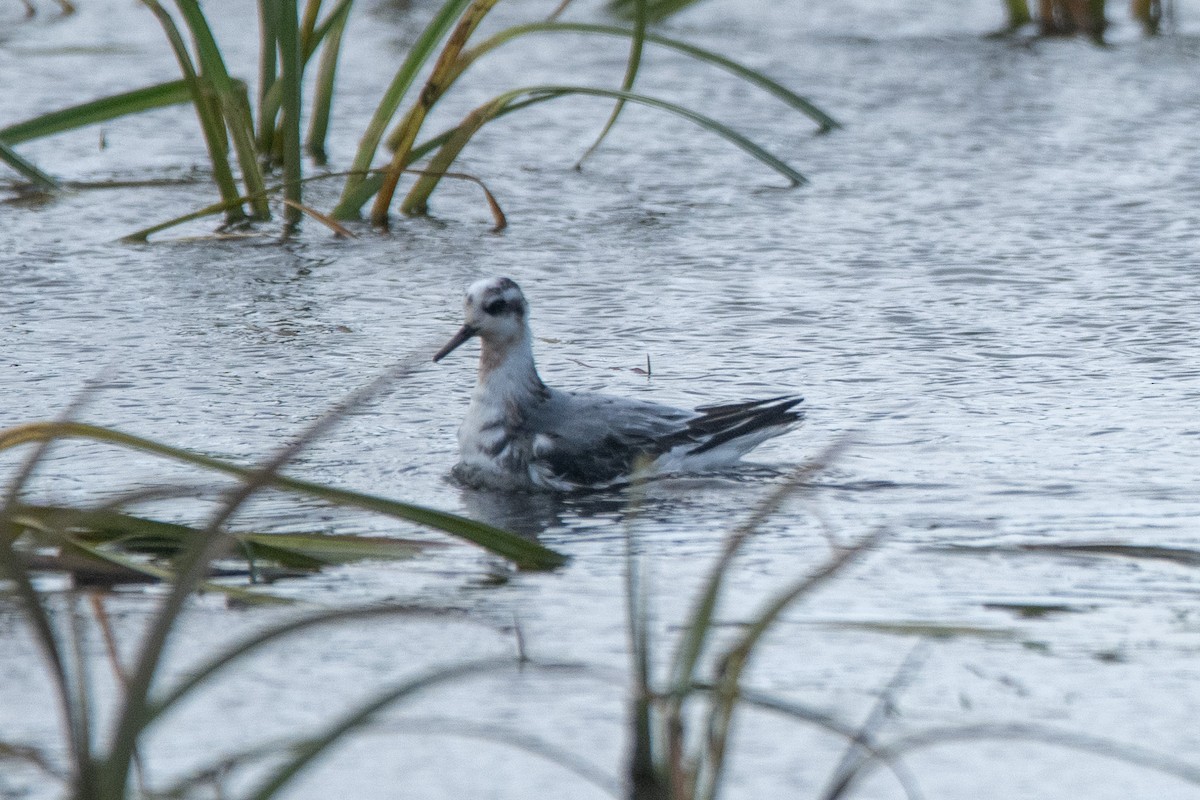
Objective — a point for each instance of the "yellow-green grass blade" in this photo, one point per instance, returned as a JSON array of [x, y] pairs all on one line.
[[324, 28], [418, 197], [136, 101], [824, 121], [637, 41], [11, 751], [39, 616], [226, 206], [370, 184], [315, 550], [418, 54], [646, 778], [699, 626], [445, 72], [819, 718], [156, 572], [307, 23], [149, 536], [26, 168], [524, 553], [373, 180], [143, 235]]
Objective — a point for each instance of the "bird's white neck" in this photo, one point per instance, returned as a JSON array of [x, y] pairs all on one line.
[[506, 371]]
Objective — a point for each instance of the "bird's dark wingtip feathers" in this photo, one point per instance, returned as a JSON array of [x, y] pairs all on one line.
[[724, 423]]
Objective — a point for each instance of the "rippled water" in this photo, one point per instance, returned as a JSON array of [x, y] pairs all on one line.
[[990, 286]]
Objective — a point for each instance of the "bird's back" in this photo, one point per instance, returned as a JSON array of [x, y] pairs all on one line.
[[595, 440]]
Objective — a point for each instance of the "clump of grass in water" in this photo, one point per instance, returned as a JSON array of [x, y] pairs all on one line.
[[292, 40], [101, 767], [663, 764], [669, 761]]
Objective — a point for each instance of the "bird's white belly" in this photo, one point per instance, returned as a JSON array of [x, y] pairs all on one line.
[[491, 453]]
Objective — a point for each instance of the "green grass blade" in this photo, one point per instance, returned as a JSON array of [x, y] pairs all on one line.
[[190, 569], [429, 145], [418, 54], [645, 779], [322, 549], [147, 98], [524, 553], [637, 41], [657, 10], [824, 122], [10, 751], [268, 64], [207, 111], [141, 236], [700, 620], [307, 24], [1016, 732], [26, 168], [833, 567], [14, 570], [735, 660], [37, 615], [234, 102], [337, 16], [418, 197], [199, 675], [149, 536], [331, 35], [144, 234], [290, 77], [821, 719], [310, 750]]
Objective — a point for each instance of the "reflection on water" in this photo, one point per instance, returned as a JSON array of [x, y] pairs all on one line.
[[612, 509], [527, 513]]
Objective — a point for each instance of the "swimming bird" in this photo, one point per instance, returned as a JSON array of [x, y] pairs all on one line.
[[521, 435]]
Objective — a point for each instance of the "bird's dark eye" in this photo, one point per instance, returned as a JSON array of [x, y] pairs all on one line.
[[495, 307]]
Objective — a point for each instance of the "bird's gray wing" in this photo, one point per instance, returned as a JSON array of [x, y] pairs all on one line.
[[592, 439]]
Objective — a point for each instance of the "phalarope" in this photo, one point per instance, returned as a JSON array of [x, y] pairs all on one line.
[[519, 434]]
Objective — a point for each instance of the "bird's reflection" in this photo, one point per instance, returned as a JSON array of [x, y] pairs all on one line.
[[533, 514]]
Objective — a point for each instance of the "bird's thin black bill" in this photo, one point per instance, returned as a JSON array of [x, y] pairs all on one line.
[[464, 333]]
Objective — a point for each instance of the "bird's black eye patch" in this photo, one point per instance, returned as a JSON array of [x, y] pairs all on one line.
[[494, 307]]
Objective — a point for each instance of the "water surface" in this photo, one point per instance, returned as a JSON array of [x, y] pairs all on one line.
[[989, 288]]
